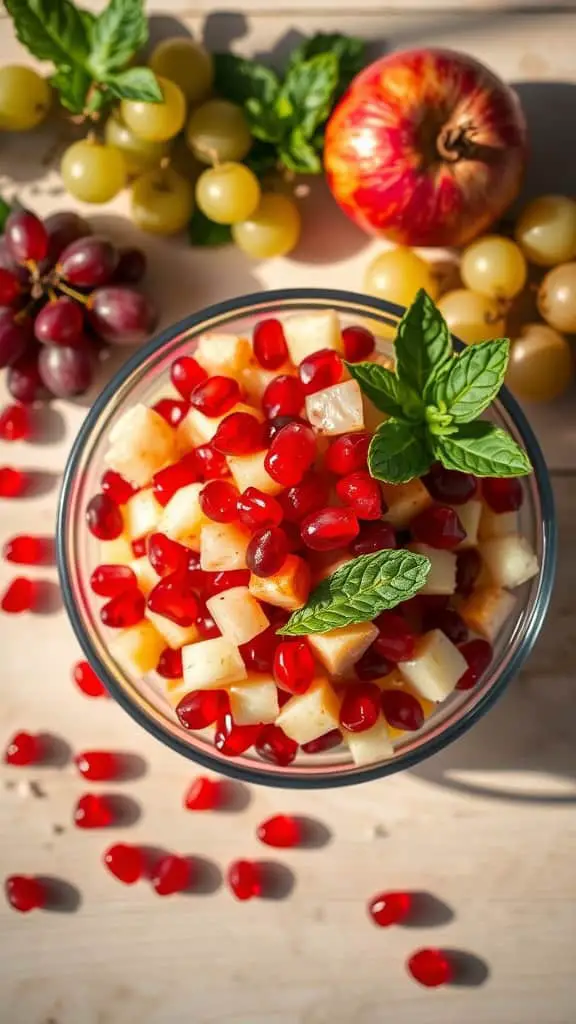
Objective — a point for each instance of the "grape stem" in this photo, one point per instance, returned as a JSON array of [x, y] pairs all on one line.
[[72, 293]]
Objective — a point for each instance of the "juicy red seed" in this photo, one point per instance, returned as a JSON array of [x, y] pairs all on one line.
[[166, 556], [402, 710], [186, 374], [201, 708], [218, 581], [269, 344], [124, 610], [13, 482], [218, 500], [294, 665], [24, 748], [281, 831], [98, 765], [395, 640], [439, 527], [240, 433], [450, 486], [244, 879], [448, 621], [283, 697], [431, 967], [19, 596], [171, 410], [372, 665], [9, 287], [109, 580], [326, 742], [291, 454], [360, 707], [171, 874], [478, 655], [362, 493], [87, 681], [104, 518], [170, 479], [329, 528], [359, 343], [139, 547], [216, 395], [93, 811], [203, 795], [348, 453], [206, 626], [468, 567], [502, 494], [26, 550], [373, 536], [304, 498], [125, 862], [320, 370], [274, 426], [170, 664], [284, 396], [390, 908], [209, 463], [174, 598], [275, 746], [258, 654], [231, 739], [116, 487], [267, 551], [15, 423], [256, 509], [25, 893]]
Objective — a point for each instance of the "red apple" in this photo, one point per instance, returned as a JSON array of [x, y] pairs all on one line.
[[427, 147]]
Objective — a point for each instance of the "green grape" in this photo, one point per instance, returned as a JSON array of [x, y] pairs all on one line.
[[557, 298], [494, 266], [218, 131], [472, 317], [186, 63], [25, 98], [272, 230], [156, 122], [397, 274], [228, 193], [541, 364], [162, 201], [93, 172], [546, 230], [138, 154]]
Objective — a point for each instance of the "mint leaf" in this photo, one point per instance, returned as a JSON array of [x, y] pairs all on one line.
[[351, 54], [261, 158], [359, 591], [264, 122], [5, 211], [306, 96], [483, 449], [202, 231], [398, 452], [53, 30], [380, 385], [135, 84], [423, 345], [73, 85], [473, 379], [238, 79], [299, 155], [120, 30]]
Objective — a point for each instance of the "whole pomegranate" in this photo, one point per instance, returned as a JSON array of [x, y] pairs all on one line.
[[427, 147]]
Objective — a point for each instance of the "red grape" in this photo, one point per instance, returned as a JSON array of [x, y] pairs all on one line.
[[121, 316], [6, 261], [65, 371], [23, 378], [13, 337], [63, 228], [26, 236], [9, 287], [59, 322], [131, 266], [88, 262]]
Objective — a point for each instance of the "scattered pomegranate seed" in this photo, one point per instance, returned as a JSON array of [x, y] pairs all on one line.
[[390, 908], [267, 551], [362, 493], [294, 665], [395, 641], [209, 463], [104, 518], [360, 707], [326, 742], [329, 528], [109, 580], [19, 596], [284, 396], [274, 426], [116, 487], [359, 343], [291, 454], [13, 482], [320, 370], [402, 710], [171, 874], [240, 433], [171, 410], [448, 621], [502, 494], [373, 537], [449, 486], [27, 550], [283, 697], [139, 547], [98, 765], [174, 598], [372, 665], [478, 655], [206, 625], [10, 287], [245, 879], [25, 893], [269, 344], [166, 556], [348, 453], [275, 746], [201, 708], [186, 374], [430, 967], [468, 567], [87, 681], [281, 831], [170, 479], [124, 610], [93, 811], [125, 862], [231, 739], [256, 509], [170, 664], [216, 395], [15, 423], [304, 498], [203, 795], [219, 581], [218, 500], [258, 654], [24, 748], [439, 527]]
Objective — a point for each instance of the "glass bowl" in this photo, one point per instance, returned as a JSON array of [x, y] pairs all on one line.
[[140, 380]]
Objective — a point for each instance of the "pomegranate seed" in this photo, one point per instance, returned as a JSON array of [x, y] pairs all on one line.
[[240, 433], [174, 598], [19, 596], [267, 551], [219, 581], [402, 710], [281, 831], [390, 908], [170, 664], [329, 528], [231, 739], [284, 396], [24, 748], [166, 556], [320, 370], [448, 621], [186, 374], [125, 862], [9, 287], [291, 454], [372, 665], [502, 494], [109, 580], [218, 500], [478, 655], [209, 463], [244, 879], [13, 482], [171, 410], [206, 625], [373, 537], [139, 547], [274, 426], [216, 395], [283, 697], [170, 479], [304, 498], [449, 486], [275, 746], [25, 893], [468, 567], [348, 453], [98, 765], [439, 527], [294, 665], [15, 423], [87, 681], [116, 487], [326, 742], [203, 795], [430, 967], [359, 343], [26, 550], [171, 874], [269, 344], [362, 493], [360, 707], [258, 654], [200, 708], [104, 518], [395, 641], [124, 610], [256, 509], [93, 811]]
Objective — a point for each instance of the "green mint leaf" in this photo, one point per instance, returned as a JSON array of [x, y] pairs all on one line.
[[351, 54], [483, 449], [359, 591], [380, 385], [262, 157], [53, 30], [423, 345], [299, 155], [135, 84], [398, 452], [73, 84], [204, 232], [117, 33], [238, 80], [473, 379], [264, 122], [307, 94], [5, 211]]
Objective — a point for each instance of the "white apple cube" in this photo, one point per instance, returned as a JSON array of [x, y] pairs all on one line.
[[212, 664], [196, 428], [405, 501], [174, 636], [324, 567], [309, 715], [141, 443], [142, 513], [255, 700], [250, 471], [255, 379], [238, 615], [182, 518], [370, 746], [147, 576], [223, 546], [442, 576], [289, 588], [307, 333], [497, 524], [116, 552], [486, 610], [510, 560], [469, 515], [223, 354], [436, 667], [339, 649], [138, 648], [336, 410]]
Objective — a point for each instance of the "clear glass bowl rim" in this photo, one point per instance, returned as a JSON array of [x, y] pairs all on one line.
[[263, 302]]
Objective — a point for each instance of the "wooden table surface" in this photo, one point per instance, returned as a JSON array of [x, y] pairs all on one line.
[[487, 828]]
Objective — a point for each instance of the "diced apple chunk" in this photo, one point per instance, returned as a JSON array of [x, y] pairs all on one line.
[[306, 333], [497, 524], [116, 552], [138, 648], [436, 667], [374, 744], [486, 609], [211, 664], [404, 502], [146, 576], [183, 518], [510, 560], [224, 354], [175, 636], [327, 565], [336, 410], [289, 588], [250, 471], [469, 515], [196, 428], [141, 443], [339, 649], [442, 576], [237, 614], [142, 513], [223, 546], [308, 716], [255, 700]]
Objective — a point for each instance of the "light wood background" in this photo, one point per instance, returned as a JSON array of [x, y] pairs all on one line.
[[487, 828]]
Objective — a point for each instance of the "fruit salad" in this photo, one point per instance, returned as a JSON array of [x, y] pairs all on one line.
[[242, 497]]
